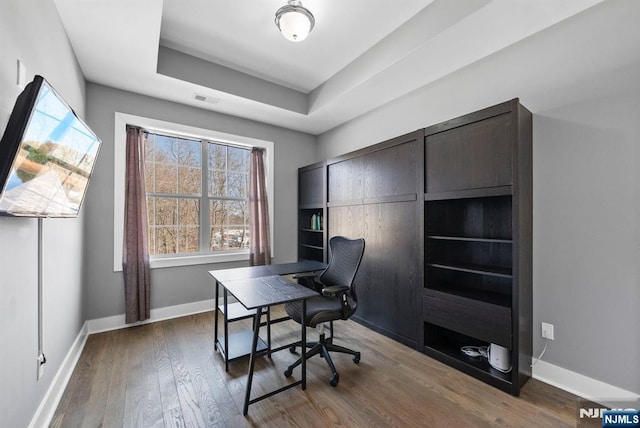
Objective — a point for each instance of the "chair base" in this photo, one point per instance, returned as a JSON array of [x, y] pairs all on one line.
[[323, 347]]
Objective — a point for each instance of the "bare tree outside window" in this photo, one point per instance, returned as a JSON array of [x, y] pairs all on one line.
[[179, 183]]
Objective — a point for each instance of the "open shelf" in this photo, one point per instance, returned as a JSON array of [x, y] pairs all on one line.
[[311, 241], [477, 269], [468, 239], [236, 312], [444, 345], [314, 247], [480, 219], [489, 297], [240, 344]]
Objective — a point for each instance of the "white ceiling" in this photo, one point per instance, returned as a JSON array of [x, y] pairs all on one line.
[[361, 54]]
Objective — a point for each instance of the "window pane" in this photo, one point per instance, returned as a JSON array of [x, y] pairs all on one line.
[[166, 240], [237, 213], [166, 178], [165, 234], [217, 221], [238, 224], [238, 159], [188, 212], [237, 185], [152, 241], [150, 148], [217, 157], [151, 210], [166, 149], [189, 153], [166, 211], [189, 181], [188, 240], [229, 225], [217, 183], [150, 176], [174, 225]]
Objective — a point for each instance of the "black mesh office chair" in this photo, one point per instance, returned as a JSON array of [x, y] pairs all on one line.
[[337, 302]]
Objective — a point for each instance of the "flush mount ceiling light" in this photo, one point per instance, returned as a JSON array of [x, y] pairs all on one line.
[[295, 21]]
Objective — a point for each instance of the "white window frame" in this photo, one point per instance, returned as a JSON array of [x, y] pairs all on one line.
[[120, 139]]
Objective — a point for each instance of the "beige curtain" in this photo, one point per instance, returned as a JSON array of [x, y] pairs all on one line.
[[259, 252], [135, 254]]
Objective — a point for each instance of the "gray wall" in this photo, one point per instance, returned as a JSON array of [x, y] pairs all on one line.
[[586, 138], [587, 236], [31, 31], [176, 285]]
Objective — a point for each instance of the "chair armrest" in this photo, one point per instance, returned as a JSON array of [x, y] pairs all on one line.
[[334, 290]]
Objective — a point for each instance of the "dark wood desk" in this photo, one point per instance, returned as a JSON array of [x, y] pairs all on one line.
[[261, 293], [238, 345], [267, 270]]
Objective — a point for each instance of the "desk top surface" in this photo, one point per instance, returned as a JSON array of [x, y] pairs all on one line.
[[224, 275], [266, 291]]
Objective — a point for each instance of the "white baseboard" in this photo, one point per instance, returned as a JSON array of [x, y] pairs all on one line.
[[49, 403], [118, 321], [583, 386]]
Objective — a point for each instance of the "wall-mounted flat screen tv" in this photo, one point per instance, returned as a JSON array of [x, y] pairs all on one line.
[[47, 154]]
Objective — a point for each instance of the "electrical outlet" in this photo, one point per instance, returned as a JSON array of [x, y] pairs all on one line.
[[547, 330]]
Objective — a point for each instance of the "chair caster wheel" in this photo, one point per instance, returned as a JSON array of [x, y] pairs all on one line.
[[292, 349], [356, 358], [288, 372], [334, 379]]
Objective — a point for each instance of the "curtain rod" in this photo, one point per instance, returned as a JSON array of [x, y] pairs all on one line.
[[173, 134]]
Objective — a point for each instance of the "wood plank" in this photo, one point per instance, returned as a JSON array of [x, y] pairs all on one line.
[[142, 406], [114, 411], [172, 412], [72, 407]]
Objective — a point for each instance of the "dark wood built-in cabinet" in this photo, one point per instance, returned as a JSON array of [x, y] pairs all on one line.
[[446, 213]]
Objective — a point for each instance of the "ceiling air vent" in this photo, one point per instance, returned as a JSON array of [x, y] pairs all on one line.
[[206, 99]]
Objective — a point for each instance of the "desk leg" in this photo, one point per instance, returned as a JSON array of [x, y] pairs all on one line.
[[304, 344], [215, 321], [269, 331], [252, 359], [226, 330]]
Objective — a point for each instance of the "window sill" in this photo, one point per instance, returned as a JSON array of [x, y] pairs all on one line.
[[165, 262]]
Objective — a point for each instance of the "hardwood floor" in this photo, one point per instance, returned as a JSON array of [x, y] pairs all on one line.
[[167, 374]]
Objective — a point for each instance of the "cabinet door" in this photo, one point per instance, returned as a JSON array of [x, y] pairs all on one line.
[[311, 188], [345, 180], [391, 171], [388, 283], [392, 299], [474, 156]]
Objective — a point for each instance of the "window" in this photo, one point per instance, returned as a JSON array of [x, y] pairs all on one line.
[[186, 197], [222, 221]]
